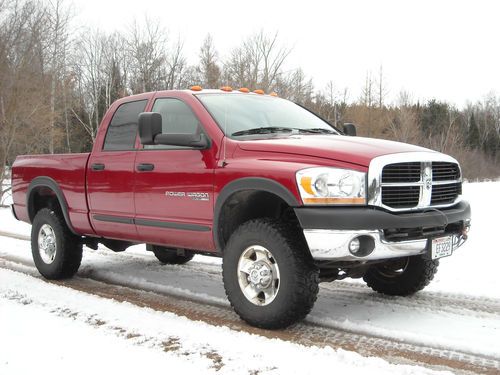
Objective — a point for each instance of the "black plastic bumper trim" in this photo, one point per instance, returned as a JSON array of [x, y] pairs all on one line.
[[359, 218]]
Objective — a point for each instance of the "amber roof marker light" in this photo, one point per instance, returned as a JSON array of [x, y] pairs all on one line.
[[275, 94], [196, 88], [244, 89], [260, 92], [226, 88]]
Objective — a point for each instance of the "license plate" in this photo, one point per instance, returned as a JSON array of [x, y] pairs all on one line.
[[442, 247]]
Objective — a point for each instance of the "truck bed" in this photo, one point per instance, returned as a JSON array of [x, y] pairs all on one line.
[[68, 171]]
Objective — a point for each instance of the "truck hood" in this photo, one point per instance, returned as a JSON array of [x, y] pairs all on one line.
[[355, 150]]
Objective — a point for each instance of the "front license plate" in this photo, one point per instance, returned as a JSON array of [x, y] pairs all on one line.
[[442, 247]]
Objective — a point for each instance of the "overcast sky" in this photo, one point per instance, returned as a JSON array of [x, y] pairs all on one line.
[[448, 50]]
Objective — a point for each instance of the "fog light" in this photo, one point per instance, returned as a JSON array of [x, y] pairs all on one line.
[[361, 246], [354, 246]]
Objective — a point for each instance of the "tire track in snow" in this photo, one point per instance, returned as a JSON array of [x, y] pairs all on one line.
[[337, 291], [303, 333]]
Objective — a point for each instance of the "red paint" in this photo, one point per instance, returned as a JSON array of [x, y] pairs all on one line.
[[121, 190]]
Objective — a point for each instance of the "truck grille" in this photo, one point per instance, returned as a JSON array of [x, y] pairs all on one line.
[[442, 171], [444, 194], [401, 172], [420, 184], [400, 196]]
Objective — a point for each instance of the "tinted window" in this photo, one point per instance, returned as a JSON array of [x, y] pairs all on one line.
[[176, 117], [122, 130]]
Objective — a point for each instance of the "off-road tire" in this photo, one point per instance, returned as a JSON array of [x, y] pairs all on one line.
[[417, 274], [169, 256], [299, 278], [69, 248]]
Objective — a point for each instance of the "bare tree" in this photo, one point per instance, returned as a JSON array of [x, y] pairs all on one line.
[[147, 52], [382, 90], [257, 63], [24, 110], [175, 64], [272, 56], [210, 72], [88, 70], [58, 18], [368, 91]]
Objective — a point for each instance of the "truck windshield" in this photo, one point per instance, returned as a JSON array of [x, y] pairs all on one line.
[[248, 114]]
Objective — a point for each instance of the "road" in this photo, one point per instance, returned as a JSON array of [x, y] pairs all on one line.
[[195, 291]]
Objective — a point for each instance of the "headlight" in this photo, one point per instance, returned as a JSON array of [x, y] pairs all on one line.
[[326, 185]]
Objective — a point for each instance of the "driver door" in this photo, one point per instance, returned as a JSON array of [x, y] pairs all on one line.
[[174, 185]]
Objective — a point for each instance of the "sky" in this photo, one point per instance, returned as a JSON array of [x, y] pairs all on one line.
[[448, 50]]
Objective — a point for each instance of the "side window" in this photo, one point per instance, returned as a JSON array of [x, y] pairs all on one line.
[[177, 118], [122, 130]]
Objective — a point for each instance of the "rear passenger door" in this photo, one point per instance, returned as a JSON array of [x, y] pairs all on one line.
[[110, 175], [174, 185]]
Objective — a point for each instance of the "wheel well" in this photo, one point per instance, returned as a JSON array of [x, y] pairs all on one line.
[[246, 205], [43, 197]]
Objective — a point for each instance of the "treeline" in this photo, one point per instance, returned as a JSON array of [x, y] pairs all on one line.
[[56, 83]]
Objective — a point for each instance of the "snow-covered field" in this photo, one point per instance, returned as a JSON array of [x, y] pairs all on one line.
[[44, 325]]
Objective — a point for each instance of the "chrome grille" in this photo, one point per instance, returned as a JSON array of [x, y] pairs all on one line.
[[415, 184]]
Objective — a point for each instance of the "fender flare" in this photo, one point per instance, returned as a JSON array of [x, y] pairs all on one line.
[[248, 183], [44, 181]]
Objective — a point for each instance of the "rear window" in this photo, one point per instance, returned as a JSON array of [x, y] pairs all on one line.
[[122, 130]]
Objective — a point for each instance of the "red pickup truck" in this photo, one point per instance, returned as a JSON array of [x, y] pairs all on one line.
[[286, 199]]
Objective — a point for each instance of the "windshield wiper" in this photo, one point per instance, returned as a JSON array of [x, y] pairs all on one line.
[[263, 130], [316, 131]]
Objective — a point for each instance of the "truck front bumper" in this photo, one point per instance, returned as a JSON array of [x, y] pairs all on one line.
[[329, 231]]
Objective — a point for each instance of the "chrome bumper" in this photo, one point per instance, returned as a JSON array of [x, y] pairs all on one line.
[[326, 244]]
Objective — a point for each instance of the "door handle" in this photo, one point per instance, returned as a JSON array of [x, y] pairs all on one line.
[[97, 167], [145, 167]]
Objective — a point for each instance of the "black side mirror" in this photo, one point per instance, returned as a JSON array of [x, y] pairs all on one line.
[[349, 129], [149, 127], [186, 140], [150, 132]]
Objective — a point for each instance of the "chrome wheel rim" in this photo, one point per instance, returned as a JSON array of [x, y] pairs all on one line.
[[47, 246], [258, 275]]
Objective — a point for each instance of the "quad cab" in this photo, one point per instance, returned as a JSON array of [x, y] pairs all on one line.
[[283, 197]]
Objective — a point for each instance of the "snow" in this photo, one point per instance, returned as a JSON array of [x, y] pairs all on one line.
[[459, 310], [54, 325]]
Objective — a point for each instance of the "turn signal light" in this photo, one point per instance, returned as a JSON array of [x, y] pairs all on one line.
[[196, 88]]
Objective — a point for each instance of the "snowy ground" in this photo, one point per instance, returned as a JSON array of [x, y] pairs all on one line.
[[459, 311]]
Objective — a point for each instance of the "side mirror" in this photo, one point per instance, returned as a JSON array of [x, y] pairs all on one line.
[[149, 127], [150, 132], [349, 129], [186, 140]]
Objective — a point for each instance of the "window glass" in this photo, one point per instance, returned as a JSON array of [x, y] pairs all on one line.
[[176, 117], [240, 112], [122, 130]]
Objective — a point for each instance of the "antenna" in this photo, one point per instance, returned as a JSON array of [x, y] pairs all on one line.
[[224, 141]]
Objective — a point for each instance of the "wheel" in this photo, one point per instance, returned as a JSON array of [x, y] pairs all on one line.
[[57, 252], [401, 276], [169, 256], [269, 276]]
